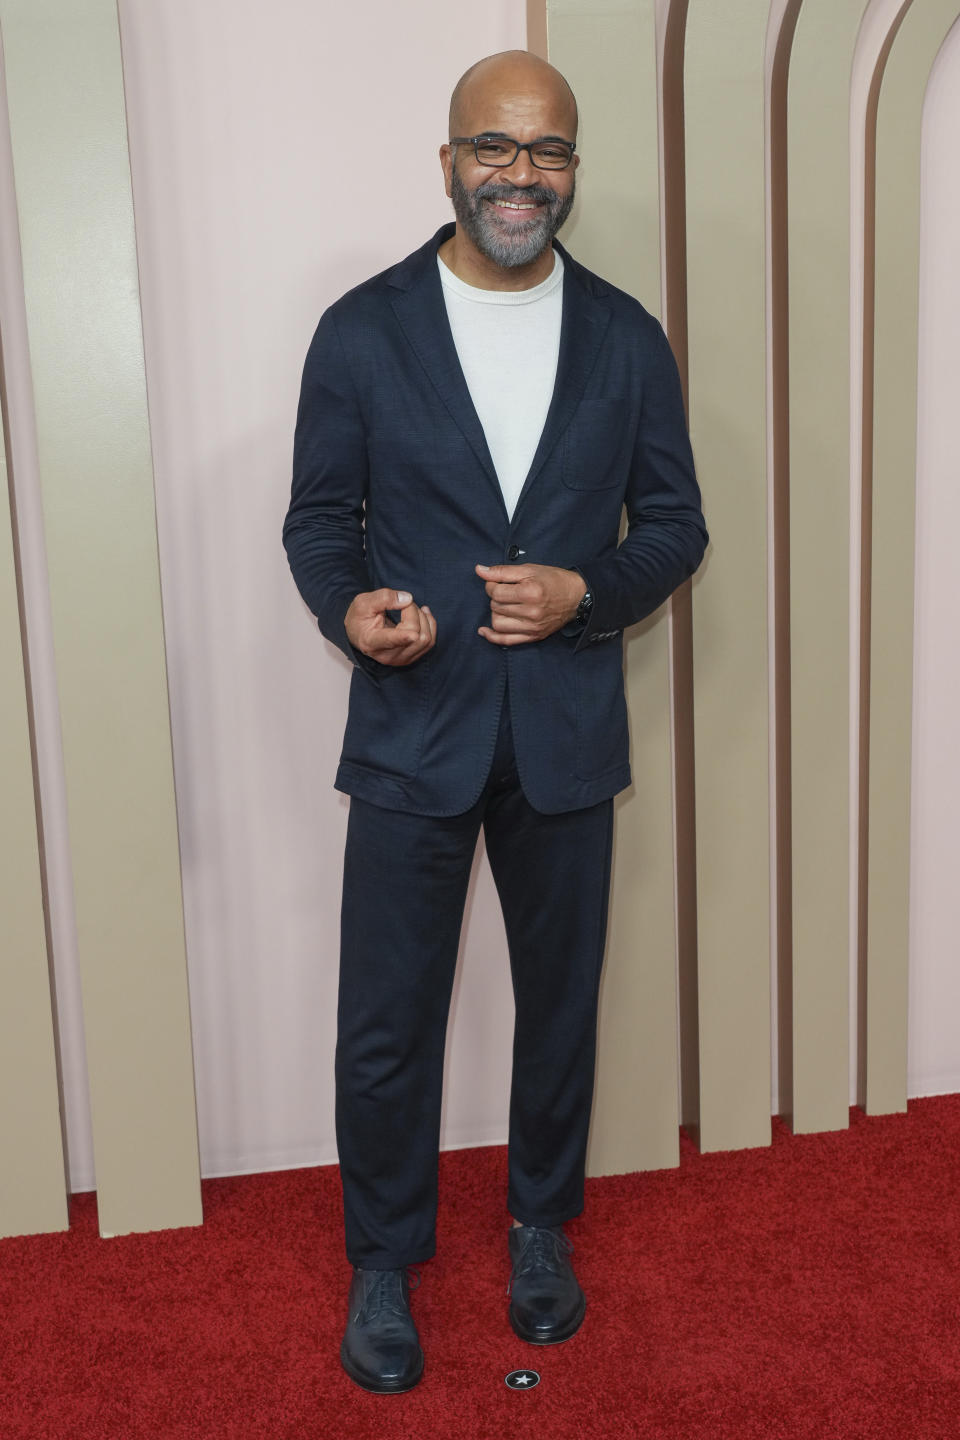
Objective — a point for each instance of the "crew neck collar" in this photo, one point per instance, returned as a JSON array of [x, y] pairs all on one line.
[[502, 297]]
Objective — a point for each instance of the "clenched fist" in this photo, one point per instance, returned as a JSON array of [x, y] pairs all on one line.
[[369, 630], [529, 602]]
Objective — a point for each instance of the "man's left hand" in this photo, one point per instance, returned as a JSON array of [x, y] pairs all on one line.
[[529, 602]]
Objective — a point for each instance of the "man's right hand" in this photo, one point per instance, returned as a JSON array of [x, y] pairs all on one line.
[[369, 630]]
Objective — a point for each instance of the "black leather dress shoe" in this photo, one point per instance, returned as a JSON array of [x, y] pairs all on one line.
[[381, 1348], [546, 1303]]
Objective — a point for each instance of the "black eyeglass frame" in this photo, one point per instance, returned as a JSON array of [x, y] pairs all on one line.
[[475, 140]]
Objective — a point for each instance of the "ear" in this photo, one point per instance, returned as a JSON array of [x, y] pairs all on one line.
[[446, 163]]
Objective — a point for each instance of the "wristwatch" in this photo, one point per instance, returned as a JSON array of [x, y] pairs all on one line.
[[583, 609]]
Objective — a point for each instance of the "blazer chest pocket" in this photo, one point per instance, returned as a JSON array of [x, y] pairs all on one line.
[[597, 445]]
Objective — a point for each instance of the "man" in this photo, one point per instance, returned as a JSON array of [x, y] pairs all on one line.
[[471, 425]]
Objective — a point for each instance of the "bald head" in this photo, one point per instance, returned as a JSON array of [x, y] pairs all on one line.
[[525, 78]]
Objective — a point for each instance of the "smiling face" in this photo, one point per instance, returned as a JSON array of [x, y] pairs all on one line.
[[509, 224], [507, 217]]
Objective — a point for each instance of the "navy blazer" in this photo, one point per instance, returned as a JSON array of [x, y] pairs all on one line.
[[393, 485]]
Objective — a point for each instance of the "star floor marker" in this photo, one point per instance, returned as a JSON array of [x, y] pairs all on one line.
[[522, 1379]]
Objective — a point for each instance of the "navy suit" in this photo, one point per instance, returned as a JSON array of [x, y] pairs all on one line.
[[393, 486]]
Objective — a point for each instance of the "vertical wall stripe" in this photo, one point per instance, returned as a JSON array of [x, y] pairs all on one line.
[[616, 231], [674, 266], [861, 512], [817, 473], [892, 501], [67, 121], [33, 1191], [537, 27], [780, 44], [724, 95]]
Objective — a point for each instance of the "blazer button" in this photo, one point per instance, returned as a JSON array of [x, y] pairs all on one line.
[[514, 552]]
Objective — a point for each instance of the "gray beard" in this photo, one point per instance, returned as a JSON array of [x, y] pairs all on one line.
[[522, 243]]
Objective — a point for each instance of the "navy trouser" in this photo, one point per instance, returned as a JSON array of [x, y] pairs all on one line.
[[404, 889]]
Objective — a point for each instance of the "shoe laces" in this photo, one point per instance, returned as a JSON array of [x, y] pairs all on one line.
[[385, 1293], [543, 1249]]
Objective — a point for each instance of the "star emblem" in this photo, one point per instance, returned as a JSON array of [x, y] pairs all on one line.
[[522, 1379]]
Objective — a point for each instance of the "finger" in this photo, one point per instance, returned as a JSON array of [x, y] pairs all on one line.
[[401, 658], [401, 649], [412, 624], [516, 618], [519, 609], [374, 602], [426, 632], [505, 574], [401, 644], [408, 631], [496, 638], [432, 622], [419, 629], [386, 642], [512, 624], [409, 653], [505, 593]]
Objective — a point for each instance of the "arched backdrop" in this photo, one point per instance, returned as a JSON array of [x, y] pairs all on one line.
[[154, 649]]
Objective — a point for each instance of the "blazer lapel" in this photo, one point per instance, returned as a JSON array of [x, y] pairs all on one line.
[[582, 330], [419, 307], [422, 313]]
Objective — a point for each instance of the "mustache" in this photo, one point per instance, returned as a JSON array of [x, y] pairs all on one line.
[[533, 194]]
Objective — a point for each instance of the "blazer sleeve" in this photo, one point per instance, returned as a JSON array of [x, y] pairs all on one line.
[[666, 537], [323, 529]]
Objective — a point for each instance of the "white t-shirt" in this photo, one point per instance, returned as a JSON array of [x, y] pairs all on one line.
[[508, 342]]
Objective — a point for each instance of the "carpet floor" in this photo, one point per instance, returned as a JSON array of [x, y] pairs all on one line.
[[809, 1291]]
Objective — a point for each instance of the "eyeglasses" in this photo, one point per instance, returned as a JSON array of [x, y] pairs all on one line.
[[500, 151]]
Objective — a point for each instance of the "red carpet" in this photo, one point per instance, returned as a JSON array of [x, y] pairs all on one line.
[[809, 1290]]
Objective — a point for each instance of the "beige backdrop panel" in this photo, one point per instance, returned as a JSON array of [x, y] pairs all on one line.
[[32, 1179], [238, 258], [819, 558], [68, 131], [893, 508], [934, 1039], [608, 53], [724, 82]]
